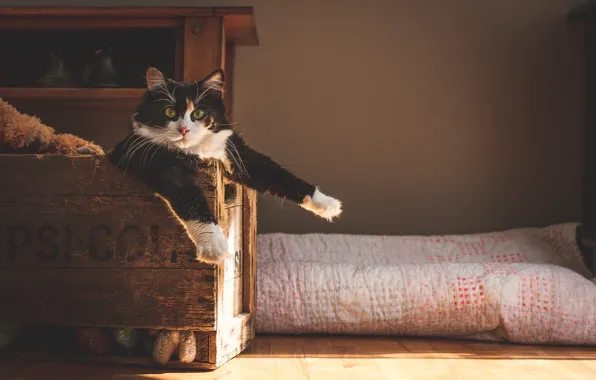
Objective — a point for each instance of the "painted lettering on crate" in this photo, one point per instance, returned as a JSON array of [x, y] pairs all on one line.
[[51, 243]]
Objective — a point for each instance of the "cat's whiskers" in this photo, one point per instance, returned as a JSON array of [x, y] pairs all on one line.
[[166, 93], [142, 144], [143, 151], [240, 165], [204, 93], [130, 147], [146, 152], [159, 147], [163, 138], [237, 158], [197, 95], [232, 157], [139, 145], [280, 201], [155, 150], [128, 140], [174, 90], [168, 101], [162, 89], [135, 146], [231, 124]]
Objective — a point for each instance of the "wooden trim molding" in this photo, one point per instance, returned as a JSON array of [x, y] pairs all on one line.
[[239, 22]]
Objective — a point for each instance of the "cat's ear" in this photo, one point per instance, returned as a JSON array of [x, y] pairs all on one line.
[[214, 81], [154, 78]]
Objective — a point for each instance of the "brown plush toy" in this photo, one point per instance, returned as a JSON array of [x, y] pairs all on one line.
[[21, 133]]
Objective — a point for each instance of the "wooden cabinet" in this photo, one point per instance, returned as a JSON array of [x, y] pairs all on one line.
[[81, 243], [184, 43]]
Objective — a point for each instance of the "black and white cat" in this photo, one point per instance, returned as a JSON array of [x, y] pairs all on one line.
[[178, 125]]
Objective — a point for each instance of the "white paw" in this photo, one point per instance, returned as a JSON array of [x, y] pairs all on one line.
[[212, 246], [323, 205]]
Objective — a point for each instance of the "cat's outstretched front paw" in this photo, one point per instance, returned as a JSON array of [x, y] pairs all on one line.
[[212, 246], [323, 205]]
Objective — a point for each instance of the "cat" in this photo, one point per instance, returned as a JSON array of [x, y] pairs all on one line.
[[179, 125]]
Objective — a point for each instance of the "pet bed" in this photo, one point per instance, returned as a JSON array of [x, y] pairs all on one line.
[[525, 285]]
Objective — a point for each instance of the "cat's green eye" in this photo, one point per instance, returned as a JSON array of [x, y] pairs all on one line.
[[198, 114], [171, 112]]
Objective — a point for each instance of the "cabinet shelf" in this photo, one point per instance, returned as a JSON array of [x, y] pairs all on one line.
[[78, 94]]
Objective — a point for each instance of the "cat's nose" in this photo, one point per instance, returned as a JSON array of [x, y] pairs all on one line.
[[183, 130]]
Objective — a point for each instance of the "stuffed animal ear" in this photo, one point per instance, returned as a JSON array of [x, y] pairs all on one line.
[[154, 78], [214, 81]]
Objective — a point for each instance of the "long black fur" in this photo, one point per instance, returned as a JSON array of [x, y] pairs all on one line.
[[265, 175], [170, 174]]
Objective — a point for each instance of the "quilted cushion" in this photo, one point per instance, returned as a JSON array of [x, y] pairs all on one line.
[[524, 285]]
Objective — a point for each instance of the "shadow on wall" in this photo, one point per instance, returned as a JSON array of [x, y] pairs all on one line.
[[423, 117]]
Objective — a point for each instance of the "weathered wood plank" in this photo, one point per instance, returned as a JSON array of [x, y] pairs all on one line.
[[74, 175], [87, 22], [202, 346], [229, 66], [233, 266], [116, 12], [229, 301], [231, 221], [232, 195], [213, 347], [239, 21], [93, 231], [229, 276], [141, 298], [240, 28], [235, 292], [250, 251], [203, 46], [234, 337]]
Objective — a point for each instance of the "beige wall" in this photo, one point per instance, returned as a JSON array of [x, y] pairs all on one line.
[[422, 116]]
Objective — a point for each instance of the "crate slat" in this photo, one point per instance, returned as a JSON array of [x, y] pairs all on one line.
[[154, 298]]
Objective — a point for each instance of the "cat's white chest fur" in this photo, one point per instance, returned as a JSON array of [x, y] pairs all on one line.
[[213, 146]]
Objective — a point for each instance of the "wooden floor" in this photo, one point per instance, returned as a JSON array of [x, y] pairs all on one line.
[[288, 358]]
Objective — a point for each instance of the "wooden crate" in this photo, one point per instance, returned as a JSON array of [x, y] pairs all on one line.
[[83, 244]]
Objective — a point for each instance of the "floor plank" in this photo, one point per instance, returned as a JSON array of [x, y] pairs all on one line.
[[330, 358]]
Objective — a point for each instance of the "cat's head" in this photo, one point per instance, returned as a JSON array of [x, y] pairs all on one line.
[[181, 115]]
